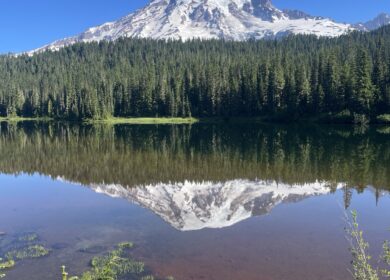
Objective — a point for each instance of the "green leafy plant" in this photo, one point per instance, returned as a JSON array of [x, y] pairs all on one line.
[[125, 245], [115, 264], [30, 252], [362, 268], [5, 265], [386, 259], [23, 248]]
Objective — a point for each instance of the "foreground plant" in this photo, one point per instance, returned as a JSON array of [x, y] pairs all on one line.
[[362, 268], [111, 266], [386, 259], [115, 265]]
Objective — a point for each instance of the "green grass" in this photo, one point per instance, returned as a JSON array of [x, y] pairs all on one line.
[[145, 121], [23, 119], [340, 118], [111, 120]]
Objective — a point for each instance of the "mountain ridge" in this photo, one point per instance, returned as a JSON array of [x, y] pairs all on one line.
[[207, 19], [237, 20], [381, 20]]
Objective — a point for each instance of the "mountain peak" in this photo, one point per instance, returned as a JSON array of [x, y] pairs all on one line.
[[264, 3], [381, 20], [237, 20], [383, 15]]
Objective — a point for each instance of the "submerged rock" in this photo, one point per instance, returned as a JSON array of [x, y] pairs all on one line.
[[95, 249], [59, 246]]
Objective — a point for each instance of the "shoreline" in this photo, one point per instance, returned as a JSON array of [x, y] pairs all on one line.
[[191, 120]]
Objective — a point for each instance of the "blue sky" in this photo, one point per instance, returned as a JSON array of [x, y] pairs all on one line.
[[28, 24]]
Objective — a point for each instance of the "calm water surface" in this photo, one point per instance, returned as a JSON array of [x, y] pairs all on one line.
[[226, 201]]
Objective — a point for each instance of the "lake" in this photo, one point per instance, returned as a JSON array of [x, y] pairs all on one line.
[[202, 201]]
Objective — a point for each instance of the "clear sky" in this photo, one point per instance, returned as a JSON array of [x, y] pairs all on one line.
[[28, 24]]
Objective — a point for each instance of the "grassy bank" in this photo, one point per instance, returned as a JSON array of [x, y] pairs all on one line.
[[23, 119], [145, 121], [341, 118], [110, 120]]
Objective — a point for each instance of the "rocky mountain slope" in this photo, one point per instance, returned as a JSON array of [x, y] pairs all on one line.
[[381, 20]]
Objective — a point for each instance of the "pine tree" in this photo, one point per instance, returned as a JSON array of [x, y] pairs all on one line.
[[275, 88], [363, 89], [139, 77]]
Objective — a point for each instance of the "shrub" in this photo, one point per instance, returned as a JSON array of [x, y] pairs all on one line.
[[361, 260]]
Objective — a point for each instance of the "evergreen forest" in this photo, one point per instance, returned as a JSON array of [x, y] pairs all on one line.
[[298, 77]]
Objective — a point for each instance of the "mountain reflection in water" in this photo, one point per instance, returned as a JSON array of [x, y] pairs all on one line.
[[194, 206], [223, 173], [204, 182]]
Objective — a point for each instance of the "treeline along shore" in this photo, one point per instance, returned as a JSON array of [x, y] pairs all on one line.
[[344, 79]]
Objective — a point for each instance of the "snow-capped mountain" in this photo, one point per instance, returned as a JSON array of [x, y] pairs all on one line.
[[196, 205], [208, 19], [381, 20]]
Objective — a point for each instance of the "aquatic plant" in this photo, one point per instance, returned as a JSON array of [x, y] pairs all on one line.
[[148, 277], [5, 265], [30, 237], [362, 268], [115, 264], [151, 277], [125, 245], [33, 251], [23, 248], [65, 274]]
